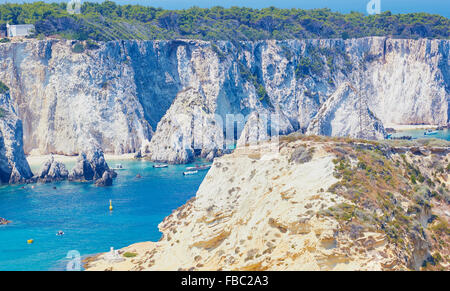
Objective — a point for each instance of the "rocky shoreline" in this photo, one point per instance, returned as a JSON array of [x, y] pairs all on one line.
[[89, 167]]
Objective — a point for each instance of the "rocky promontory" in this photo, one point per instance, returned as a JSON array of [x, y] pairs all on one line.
[[314, 203], [92, 167]]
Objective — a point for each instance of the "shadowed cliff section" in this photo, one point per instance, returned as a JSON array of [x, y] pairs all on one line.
[[154, 65], [14, 167]]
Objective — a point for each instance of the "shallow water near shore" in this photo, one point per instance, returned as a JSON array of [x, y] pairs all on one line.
[[419, 133], [81, 211]]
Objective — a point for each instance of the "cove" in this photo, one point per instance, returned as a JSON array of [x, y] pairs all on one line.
[[81, 210]]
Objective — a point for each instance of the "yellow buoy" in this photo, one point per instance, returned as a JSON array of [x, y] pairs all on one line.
[[110, 205], [30, 241]]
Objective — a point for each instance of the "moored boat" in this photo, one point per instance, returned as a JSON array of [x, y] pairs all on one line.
[[430, 132], [190, 173], [158, 166], [198, 168]]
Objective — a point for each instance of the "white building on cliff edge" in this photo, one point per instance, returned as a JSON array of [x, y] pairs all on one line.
[[19, 30]]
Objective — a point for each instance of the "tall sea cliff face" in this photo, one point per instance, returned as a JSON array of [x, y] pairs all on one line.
[[14, 167], [166, 97]]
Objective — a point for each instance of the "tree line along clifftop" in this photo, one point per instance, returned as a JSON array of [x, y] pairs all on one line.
[[109, 21]]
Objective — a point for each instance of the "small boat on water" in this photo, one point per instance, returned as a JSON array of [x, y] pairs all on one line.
[[430, 132], [158, 166], [118, 167], [190, 173], [198, 168]]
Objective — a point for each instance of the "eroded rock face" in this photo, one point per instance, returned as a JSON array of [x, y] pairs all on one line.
[[106, 179], [82, 170], [14, 167], [92, 167], [292, 209], [52, 171], [4, 221], [188, 126], [126, 95], [345, 114]]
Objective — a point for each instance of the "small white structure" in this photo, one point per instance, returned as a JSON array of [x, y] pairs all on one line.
[[19, 30], [113, 256]]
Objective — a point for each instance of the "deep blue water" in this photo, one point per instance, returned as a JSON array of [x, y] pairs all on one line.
[[81, 211], [418, 133]]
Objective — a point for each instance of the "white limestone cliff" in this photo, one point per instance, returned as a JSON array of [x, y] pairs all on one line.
[[126, 95], [344, 115], [14, 167]]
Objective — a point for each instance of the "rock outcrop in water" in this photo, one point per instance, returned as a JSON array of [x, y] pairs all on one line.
[[52, 171], [14, 167], [316, 204], [4, 221], [127, 96], [92, 167]]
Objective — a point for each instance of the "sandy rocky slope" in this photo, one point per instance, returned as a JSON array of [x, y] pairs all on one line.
[[316, 204]]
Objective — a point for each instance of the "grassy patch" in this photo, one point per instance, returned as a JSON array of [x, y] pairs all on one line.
[[441, 227], [369, 178], [129, 255], [78, 48]]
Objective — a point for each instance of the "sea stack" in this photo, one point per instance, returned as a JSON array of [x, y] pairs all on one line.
[[92, 167], [52, 171]]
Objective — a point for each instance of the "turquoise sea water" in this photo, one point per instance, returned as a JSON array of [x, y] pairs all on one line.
[[418, 133], [81, 211]]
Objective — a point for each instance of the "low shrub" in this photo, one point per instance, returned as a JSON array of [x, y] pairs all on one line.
[[78, 48], [129, 255]]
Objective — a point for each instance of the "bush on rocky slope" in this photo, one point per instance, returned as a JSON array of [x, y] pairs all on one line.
[[380, 184], [3, 88]]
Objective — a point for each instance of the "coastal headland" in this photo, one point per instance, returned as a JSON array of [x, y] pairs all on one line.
[[317, 203]]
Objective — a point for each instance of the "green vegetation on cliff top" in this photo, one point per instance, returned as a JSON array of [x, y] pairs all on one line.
[[109, 21], [3, 88]]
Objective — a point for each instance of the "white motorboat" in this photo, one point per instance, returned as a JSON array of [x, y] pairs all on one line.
[[158, 166], [190, 173], [430, 132], [198, 168]]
